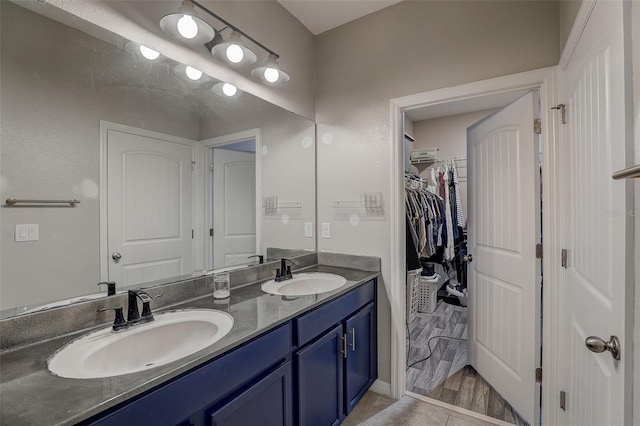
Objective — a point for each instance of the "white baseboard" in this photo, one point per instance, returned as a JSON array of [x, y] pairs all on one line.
[[383, 388]]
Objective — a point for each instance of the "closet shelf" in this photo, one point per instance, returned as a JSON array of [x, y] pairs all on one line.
[[628, 173]]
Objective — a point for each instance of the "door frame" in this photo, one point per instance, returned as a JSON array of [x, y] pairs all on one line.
[[205, 189], [105, 126], [545, 80]]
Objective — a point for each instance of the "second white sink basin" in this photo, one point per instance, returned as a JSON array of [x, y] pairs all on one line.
[[171, 336], [305, 284]]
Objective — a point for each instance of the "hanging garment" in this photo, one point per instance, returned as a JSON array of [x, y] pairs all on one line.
[[449, 252], [413, 262], [459, 215]]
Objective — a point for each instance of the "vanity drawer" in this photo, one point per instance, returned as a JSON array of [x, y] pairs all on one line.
[[205, 385], [312, 324]]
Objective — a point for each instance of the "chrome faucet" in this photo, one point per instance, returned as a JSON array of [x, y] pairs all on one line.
[[284, 272]]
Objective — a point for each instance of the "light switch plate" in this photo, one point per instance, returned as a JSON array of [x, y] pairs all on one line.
[[308, 229], [30, 232], [326, 230]]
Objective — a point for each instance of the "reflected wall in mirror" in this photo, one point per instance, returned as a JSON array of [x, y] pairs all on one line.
[[172, 176]]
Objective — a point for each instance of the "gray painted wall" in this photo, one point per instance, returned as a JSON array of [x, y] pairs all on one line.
[[408, 48]]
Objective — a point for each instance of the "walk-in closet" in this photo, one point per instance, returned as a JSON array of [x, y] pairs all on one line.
[[437, 316]]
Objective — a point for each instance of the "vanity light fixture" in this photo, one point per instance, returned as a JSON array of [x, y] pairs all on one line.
[[149, 53], [270, 72], [186, 26], [190, 74], [140, 50], [193, 73], [234, 51], [224, 89]]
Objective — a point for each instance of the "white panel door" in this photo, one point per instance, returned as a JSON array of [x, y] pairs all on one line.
[[597, 224], [234, 207], [149, 208], [504, 276]]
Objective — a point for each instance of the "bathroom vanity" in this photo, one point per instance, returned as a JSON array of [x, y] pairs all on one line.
[[287, 360]]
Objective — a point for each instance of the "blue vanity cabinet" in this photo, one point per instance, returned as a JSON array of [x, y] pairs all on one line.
[[361, 361], [336, 367], [267, 403], [320, 369]]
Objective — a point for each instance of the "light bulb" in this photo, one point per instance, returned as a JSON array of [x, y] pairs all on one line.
[[229, 89], [271, 75], [235, 53], [193, 73], [187, 27], [150, 54]]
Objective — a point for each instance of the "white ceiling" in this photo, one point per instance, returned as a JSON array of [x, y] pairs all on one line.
[[322, 15], [464, 106]]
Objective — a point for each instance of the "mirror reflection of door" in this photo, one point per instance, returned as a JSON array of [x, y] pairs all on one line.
[[233, 203], [149, 194]]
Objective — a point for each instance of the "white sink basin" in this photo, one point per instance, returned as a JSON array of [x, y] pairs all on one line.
[[305, 284], [171, 336]]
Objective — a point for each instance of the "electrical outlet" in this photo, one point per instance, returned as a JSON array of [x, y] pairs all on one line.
[[27, 232], [308, 229], [326, 230]]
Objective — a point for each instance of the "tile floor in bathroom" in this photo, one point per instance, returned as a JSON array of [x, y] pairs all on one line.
[[378, 410], [445, 375]]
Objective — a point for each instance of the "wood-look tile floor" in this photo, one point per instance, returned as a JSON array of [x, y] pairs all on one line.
[[445, 376], [378, 410]]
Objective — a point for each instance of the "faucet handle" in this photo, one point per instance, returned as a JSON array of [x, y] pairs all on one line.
[[260, 258], [111, 287], [147, 315], [119, 323]]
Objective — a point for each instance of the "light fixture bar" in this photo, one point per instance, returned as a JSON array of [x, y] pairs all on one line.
[[233, 27]]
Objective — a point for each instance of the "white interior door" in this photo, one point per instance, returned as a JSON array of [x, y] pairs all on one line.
[[149, 207], [504, 276], [598, 285], [234, 207]]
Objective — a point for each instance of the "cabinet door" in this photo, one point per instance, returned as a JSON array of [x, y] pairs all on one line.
[[267, 403], [320, 380], [362, 362]]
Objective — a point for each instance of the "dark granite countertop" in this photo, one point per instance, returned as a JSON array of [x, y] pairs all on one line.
[[30, 394]]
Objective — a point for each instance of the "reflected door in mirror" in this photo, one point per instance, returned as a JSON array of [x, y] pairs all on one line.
[[149, 206], [234, 206]]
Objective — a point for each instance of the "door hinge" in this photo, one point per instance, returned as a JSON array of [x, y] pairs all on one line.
[[538, 251], [539, 375], [193, 165], [563, 112], [192, 234], [211, 168], [565, 256], [537, 126], [211, 232], [563, 400]]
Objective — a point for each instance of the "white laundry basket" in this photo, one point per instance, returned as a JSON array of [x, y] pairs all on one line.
[[413, 278], [427, 294]]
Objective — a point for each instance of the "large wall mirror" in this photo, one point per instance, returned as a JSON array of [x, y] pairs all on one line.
[[172, 176]]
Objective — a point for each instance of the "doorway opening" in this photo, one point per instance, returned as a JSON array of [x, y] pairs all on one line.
[[441, 355], [481, 98], [232, 203]]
